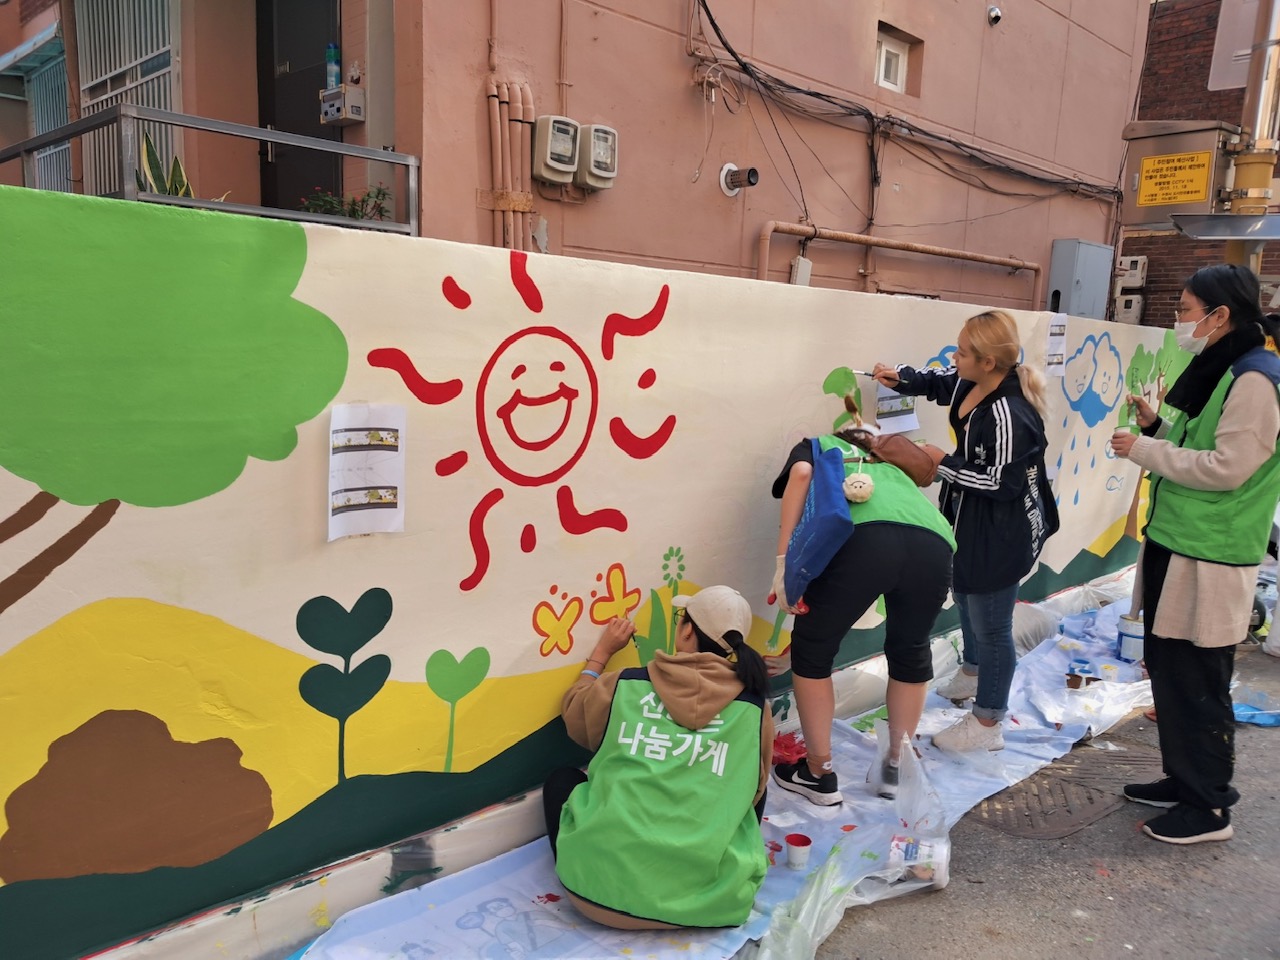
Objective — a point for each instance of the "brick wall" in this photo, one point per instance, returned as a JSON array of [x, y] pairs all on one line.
[[1175, 86], [1171, 258], [29, 8], [1175, 77]]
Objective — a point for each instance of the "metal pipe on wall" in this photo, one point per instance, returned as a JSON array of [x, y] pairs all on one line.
[[513, 145], [504, 154], [526, 160], [819, 233], [1255, 166], [495, 155]]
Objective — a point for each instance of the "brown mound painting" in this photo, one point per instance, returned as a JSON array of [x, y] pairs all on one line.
[[119, 795]]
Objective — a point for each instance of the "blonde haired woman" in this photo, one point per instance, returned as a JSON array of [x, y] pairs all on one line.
[[997, 497]]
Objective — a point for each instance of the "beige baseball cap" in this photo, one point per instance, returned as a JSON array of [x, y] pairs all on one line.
[[717, 611]]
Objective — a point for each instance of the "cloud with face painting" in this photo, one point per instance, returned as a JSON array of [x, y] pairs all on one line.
[[1093, 379]]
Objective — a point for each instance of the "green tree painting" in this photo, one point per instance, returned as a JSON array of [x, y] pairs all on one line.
[[148, 354], [838, 383], [1149, 376]]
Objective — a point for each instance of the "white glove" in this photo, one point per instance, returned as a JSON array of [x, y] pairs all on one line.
[[779, 583]]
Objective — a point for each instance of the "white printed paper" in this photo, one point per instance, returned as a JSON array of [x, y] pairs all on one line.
[[366, 469], [894, 412], [1055, 358]]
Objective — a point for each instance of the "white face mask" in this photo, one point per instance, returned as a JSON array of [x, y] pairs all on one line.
[[1184, 333]]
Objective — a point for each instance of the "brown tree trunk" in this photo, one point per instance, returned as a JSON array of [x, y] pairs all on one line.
[[26, 515], [32, 573]]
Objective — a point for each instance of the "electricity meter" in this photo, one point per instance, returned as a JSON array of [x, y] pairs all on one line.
[[555, 149], [599, 165]]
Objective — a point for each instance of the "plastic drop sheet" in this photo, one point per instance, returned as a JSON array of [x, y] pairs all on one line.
[[864, 850]]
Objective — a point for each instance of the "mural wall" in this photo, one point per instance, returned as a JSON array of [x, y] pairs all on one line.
[[202, 694]]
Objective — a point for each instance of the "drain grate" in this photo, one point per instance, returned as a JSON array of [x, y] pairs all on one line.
[[1069, 794]]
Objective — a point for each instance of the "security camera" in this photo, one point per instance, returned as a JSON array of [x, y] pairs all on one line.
[[994, 15]]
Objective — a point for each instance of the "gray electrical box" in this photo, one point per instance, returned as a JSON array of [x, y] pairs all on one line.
[[1079, 279]]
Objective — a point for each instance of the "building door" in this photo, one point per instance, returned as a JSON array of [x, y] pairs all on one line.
[[292, 37]]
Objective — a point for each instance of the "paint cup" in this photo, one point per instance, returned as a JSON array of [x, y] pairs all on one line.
[[798, 847], [1080, 673], [1129, 638]]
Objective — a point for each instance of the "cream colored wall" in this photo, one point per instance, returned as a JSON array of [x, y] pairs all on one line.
[[168, 522], [1050, 86], [219, 79]]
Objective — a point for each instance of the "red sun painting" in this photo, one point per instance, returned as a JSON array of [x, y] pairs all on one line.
[[537, 400]]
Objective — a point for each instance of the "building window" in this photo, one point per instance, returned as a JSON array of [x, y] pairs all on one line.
[[891, 63], [899, 60]]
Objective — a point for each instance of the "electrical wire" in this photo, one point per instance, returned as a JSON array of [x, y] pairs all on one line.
[[820, 105], [781, 179]]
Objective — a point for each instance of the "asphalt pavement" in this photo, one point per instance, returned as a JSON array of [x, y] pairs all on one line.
[[1107, 890]]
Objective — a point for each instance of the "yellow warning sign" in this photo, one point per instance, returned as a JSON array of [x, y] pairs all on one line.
[[1174, 178]]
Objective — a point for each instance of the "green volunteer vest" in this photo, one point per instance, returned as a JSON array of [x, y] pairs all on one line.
[[896, 498], [664, 827], [1221, 526]]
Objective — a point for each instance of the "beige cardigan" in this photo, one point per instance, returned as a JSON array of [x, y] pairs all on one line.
[[1210, 603]]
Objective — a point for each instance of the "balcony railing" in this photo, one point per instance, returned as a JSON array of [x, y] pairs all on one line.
[[125, 121]]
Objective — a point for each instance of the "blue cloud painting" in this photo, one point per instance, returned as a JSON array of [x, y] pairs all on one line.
[[1093, 379]]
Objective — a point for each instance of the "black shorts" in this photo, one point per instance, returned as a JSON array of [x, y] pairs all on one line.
[[909, 566]]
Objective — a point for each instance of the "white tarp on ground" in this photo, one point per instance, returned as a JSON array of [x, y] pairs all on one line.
[[864, 850]]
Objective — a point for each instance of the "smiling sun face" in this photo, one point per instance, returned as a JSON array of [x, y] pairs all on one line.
[[536, 406]]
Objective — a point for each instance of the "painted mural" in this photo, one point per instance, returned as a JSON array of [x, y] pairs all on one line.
[[203, 696]]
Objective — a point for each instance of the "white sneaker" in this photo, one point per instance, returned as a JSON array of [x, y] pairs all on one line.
[[969, 734], [961, 686]]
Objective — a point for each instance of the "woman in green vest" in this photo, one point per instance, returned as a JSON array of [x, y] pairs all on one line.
[[663, 830], [901, 549], [1215, 481]]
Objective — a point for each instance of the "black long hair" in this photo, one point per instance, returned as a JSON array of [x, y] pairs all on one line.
[[1235, 287], [749, 666]]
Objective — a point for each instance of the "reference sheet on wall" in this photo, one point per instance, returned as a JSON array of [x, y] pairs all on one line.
[[366, 469]]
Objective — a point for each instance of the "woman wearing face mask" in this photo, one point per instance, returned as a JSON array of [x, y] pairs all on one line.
[[1215, 481]]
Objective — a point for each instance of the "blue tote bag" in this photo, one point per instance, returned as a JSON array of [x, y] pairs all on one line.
[[824, 523]]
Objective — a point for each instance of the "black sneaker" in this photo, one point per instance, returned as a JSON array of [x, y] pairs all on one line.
[[1161, 793], [887, 783], [823, 790], [1188, 824]]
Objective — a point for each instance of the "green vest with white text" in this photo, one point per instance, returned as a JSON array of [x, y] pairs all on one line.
[[665, 828]]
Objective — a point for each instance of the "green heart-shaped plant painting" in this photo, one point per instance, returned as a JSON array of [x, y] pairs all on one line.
[[327, 626], [451, 680]]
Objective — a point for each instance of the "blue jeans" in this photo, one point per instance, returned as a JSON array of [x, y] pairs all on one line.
[[986, 622]]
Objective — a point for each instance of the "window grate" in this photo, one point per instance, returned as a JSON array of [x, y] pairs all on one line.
[[126, 50], [47, 94]]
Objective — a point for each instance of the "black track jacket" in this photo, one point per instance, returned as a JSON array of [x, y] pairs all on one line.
[[994, 489]]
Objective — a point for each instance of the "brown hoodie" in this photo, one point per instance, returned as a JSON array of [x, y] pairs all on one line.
[[694, 687]]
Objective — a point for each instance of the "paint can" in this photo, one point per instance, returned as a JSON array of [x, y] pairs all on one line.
[[1129, 639]]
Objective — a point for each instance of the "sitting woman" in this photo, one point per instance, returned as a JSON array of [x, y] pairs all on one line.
[[663, 830]]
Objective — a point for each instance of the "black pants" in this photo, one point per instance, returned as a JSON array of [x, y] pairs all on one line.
[[909, 566], [561, 783], [1191, 688]]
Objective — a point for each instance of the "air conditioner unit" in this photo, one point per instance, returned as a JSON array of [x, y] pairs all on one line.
[[1129, 308], [1131, 272]]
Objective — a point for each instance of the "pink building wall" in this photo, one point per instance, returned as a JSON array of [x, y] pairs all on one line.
[[219, 79], [1050, 86]]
